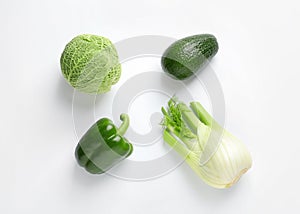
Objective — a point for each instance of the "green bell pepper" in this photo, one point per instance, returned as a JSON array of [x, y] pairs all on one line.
[[103, 146]]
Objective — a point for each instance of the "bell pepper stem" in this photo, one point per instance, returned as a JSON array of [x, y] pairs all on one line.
[[125, 124]]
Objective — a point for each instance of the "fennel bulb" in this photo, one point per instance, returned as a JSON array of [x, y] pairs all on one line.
[[193, 133]]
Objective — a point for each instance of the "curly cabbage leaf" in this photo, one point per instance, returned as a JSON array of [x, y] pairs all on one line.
[[90, 64]]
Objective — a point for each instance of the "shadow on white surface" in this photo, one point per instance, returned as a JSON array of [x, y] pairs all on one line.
[[204, 191], [83, 178], [64, 91]]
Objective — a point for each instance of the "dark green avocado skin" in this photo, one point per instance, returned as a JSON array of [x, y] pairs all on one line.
[[186, 56]]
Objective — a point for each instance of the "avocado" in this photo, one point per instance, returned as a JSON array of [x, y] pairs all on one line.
[[187, 56]]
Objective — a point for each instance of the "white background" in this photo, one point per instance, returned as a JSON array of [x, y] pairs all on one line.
[[257, 65]]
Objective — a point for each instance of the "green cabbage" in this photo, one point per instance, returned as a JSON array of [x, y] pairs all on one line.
[[90, 64]]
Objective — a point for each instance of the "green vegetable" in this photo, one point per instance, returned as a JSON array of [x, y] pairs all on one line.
[[103, 146], [188, 55], [193, 133], [90, 64]]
